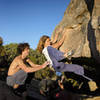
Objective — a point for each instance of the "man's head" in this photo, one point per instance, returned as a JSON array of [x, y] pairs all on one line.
[[23, 48]]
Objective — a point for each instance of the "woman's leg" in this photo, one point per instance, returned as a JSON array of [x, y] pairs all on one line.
[[77, 69], [58, 55]]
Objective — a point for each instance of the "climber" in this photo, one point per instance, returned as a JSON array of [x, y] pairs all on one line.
[[54, 56]]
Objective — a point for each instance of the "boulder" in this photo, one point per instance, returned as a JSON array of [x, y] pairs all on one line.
[[81, 23]]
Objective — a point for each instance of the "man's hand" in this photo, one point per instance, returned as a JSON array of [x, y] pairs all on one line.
[[45, 64], [27, 60]]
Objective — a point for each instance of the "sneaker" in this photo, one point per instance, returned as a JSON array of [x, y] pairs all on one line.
[[70, 53]]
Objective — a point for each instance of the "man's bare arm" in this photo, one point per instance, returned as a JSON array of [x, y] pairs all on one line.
[[31, 63], [32, 69]]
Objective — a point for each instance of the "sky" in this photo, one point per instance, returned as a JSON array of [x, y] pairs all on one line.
[[28, 20]]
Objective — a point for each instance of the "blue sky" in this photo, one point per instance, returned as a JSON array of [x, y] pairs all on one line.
[[28, 20]]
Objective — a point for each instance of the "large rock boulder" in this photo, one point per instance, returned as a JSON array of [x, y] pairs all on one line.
[[81, 22]]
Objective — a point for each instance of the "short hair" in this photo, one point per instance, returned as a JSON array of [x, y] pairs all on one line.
[[41, 43], [21, 47]]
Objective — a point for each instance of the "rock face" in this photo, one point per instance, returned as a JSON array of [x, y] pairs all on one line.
[[81, 22]]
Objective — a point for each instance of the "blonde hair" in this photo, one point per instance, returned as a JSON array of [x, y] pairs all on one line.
[[41, 43]]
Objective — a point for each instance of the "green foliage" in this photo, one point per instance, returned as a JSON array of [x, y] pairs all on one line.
[[1, 41], [36, 57], [11, 51], [2, 51], [46, 73], [3, 57]]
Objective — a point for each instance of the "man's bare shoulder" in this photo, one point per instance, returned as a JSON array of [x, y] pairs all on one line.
[[17, 59], [15, 62]]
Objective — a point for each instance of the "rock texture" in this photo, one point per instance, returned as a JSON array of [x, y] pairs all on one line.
[[81, 22]]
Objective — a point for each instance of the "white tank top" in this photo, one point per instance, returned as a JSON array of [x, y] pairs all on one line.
[[45, 52]]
